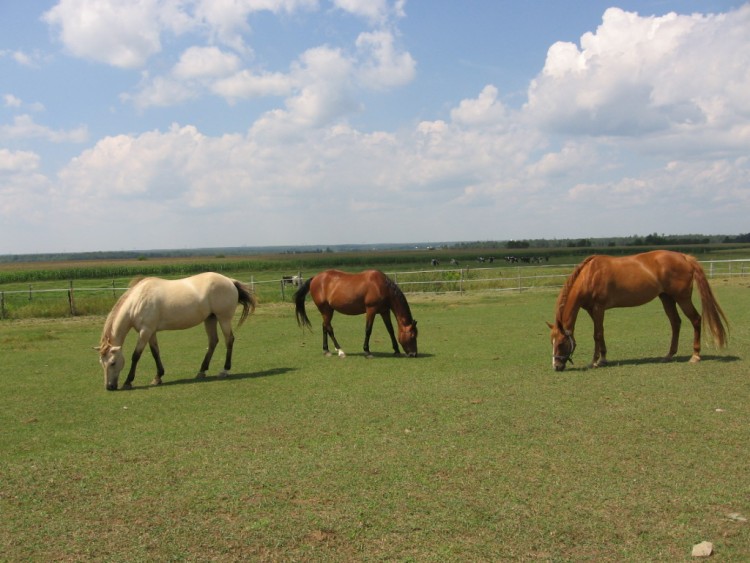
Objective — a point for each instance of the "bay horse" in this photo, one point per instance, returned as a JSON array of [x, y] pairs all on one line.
[[153, 304], [371, 293], [604, 282]]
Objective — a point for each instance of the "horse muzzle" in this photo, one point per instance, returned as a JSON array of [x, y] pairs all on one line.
[[111, 386]]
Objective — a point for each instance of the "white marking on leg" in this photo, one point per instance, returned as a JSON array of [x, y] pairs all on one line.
[[341, 353]]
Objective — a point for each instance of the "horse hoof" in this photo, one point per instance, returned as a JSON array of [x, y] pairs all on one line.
[[156, 381], [201, 375], [369, 356], [327, 354], [127, 386], [341, 354], [223, 375], [695, 359]]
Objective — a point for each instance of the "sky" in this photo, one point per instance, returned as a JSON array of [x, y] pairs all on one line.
[[173, 124]]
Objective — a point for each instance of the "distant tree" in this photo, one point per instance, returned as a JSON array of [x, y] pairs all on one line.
[[654, 240], [580, 243], [517, 244]]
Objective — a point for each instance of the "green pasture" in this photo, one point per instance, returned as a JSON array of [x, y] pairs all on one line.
[[475, 451]]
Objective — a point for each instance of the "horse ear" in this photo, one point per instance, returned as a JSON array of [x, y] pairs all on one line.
[[549, 325]]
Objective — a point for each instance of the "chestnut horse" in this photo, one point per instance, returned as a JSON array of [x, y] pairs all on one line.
[[603, 282], [370, 292], [152, 304]]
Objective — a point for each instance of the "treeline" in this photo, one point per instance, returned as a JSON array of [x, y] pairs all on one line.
[[651, 240]]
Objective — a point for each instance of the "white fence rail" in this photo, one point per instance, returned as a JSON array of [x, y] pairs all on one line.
[[506, 278]]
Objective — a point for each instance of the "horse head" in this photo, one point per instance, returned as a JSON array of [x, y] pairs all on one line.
[[407, 337], [112, 362], [563, 346]]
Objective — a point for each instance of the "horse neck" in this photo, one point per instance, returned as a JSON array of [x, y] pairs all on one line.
[[569, 305], [118, 324], [400, 307]]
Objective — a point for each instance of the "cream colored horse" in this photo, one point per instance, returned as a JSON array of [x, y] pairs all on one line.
[[152, 304]]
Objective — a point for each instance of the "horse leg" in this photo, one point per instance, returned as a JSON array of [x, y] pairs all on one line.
[[670, 308], [154, 346], [213, 339], [143, 338], [600, 347], [226, 328], [389, 326], [369, 321], [328, 331], [691, 313]]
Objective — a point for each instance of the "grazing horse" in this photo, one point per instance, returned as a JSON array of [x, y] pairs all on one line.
[[603, 282], [152, 304], [370, 292]]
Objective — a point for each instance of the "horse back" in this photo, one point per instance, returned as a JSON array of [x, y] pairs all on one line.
[[635, 280], [347, 293], [184, 303]]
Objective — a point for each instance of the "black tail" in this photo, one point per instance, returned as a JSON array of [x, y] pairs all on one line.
[[299, 302], [246, 298]]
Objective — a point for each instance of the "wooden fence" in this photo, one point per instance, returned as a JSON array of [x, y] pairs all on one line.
[[80, 300]]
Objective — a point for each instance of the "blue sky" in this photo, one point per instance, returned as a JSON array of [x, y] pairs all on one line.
[[194, 123]]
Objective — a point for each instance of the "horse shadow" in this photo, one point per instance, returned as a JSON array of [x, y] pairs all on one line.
[[386, 355], [214, 378], [660, 360]]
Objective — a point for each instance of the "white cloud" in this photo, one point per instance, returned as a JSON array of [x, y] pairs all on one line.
[[205, 62], [161, 91], [31, 60], [11, 101], [486, 110], [22, 188], [246, 84], [227, 21], [383, 66], [122, 34], [376, 11], [17, 161], [126, 34], [24, 127], [648, 75]]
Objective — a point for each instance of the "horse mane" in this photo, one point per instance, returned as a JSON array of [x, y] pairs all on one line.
[[562, 298], [104, 343], [400, 298]]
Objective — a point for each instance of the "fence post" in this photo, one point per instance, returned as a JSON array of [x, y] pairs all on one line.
[[71, 300], [31, 289], [2, 304], [113, 289]]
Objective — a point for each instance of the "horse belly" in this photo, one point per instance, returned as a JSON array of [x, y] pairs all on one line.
[[345, 308], [632, 293], [182, 318]]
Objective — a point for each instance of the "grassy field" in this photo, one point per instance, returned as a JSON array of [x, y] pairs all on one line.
[[475, 451]]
